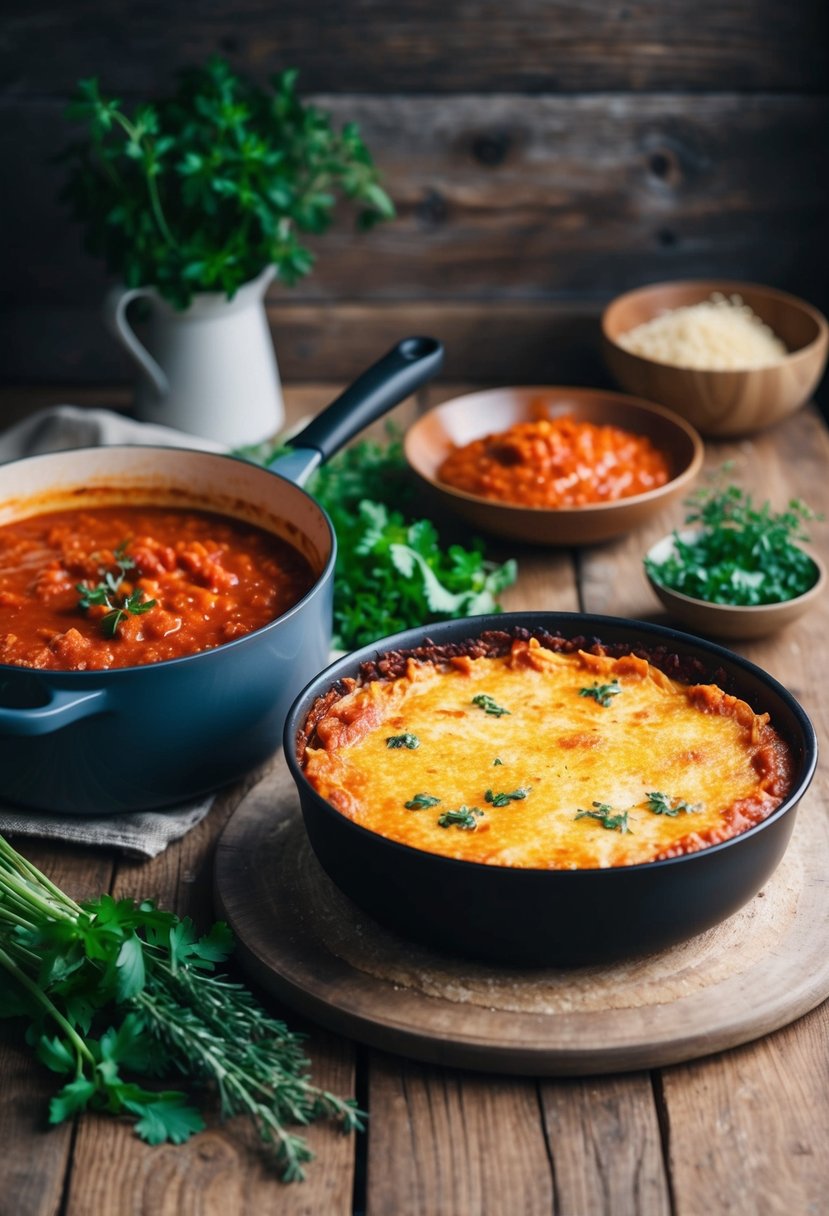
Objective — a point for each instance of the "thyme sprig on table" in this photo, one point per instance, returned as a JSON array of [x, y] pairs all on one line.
[[116, 991], [106, 593]]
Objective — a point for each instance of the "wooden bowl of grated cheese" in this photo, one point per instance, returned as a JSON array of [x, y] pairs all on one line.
[[731, 358]]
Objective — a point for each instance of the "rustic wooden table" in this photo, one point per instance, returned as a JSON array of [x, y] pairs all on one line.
[[744, 1131]]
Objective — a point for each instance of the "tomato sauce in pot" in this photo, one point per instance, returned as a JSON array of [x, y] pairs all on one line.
[[120, 586]]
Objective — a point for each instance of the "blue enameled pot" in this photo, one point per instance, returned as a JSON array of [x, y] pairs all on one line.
[[98, 742]]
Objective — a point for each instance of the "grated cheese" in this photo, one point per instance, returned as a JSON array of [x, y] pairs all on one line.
[[719, 334]]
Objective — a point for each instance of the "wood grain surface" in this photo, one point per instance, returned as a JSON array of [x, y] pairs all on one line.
[[305, 942], [385, 48], [542, 156], [743, 1132]]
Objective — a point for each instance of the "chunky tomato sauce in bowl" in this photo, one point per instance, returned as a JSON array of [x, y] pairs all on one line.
[[554, 466]]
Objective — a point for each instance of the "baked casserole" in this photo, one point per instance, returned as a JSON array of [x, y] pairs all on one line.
[[544, 753]]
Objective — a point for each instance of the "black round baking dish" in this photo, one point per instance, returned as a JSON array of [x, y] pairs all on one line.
[[556, 917]]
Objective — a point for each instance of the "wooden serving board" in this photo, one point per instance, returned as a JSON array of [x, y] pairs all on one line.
[[310, 946]]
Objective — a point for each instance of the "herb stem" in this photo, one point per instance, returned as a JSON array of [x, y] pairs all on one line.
[[14, 861], [155, 200], [27, 897], [82, 1052]]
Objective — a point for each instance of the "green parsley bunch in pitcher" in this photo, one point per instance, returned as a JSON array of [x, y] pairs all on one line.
[[204, 189]]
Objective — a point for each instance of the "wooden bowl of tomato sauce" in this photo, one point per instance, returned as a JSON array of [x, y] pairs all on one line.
[[614, 464]]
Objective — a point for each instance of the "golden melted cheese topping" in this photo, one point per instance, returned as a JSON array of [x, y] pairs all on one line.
[[597, 761]]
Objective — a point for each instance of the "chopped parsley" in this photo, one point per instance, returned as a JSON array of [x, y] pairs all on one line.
[[505, 799], [738, 553], [404, 740], [489, 706], [497, 760], [465, 817], [602, 693], [604, 814], [420, 802], [661, 804]]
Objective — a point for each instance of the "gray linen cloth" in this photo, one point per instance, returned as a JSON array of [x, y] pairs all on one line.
[[139, 834]]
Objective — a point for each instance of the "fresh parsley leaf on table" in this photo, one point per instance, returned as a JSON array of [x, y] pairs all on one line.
[[115, 992], [392, 571]]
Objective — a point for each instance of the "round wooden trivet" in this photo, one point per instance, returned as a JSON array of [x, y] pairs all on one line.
[[307, 944]]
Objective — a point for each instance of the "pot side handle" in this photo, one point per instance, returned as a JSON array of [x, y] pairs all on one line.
[[396, 376], [62, 708]]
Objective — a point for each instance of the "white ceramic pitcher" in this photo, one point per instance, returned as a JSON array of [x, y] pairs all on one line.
[[209, 370]]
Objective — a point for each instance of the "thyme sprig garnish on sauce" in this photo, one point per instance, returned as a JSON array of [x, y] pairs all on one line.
[[485, 702], [504, 799], [465, 817], [661, 804], [105, 593], [404, 740], [420, 802], [604, 814], [602, 693]]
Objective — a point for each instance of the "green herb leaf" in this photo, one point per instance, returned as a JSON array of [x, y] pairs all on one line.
[[602, 693], [661, 804], [165, 1117], [203, 189], [741, 554], [505, 799], [130, 964], [488, 705], [465, 817], [604, 814], [75, 1096], [421, 802], [79, 965], [55, 1054], [104, 592], [404, 740], [392, 571]]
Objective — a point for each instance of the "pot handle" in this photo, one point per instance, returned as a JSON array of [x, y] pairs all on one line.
[[115, 315], [407, 365], [62, 708]]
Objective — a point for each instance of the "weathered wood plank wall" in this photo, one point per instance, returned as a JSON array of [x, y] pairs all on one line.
[[542, 158]]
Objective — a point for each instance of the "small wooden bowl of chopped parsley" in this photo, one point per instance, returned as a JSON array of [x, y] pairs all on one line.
[[736, 570]]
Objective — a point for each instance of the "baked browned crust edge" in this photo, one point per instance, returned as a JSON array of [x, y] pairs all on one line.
[[492, 643]]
